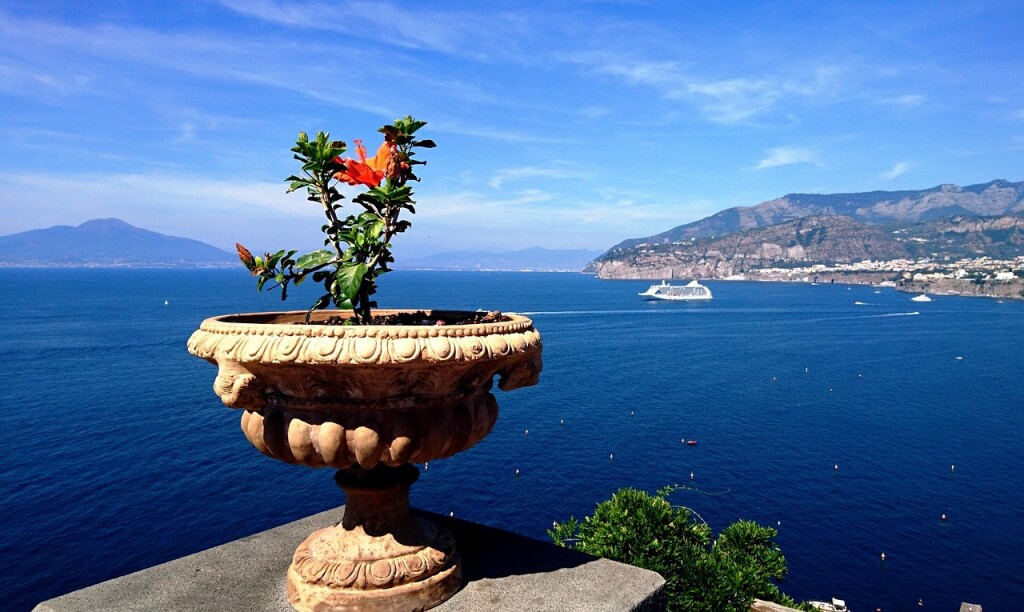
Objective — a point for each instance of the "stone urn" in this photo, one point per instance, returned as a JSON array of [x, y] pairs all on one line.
[[370, 401]]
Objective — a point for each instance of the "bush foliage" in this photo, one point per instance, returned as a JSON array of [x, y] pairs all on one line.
[[723, 574]]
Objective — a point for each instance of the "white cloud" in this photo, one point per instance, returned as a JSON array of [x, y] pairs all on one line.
[[462, 33], [896, 170], [475, 219], [905, 101], [786, 156], [594, 112], [722, 101], [456, 126], [525, 173], [733, 100], [728, 100], [270, 62]]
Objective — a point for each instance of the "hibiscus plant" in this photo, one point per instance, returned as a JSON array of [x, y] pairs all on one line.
[[358, 245]]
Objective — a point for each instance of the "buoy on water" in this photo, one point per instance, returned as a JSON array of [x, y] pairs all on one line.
[[836, 467], [943, 516], [517, 471]]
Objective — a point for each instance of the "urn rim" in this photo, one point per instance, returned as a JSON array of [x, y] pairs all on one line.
[[292, 323]]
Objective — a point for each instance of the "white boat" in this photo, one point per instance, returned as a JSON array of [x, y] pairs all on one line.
[[836, 605], [920, 298], [690, 291]]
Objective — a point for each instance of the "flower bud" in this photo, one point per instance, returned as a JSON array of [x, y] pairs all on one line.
[[244, 255]]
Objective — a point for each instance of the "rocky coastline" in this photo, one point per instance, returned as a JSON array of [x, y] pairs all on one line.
[[902, 280]]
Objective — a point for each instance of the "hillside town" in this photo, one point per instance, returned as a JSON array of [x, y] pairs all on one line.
[[978, 276]]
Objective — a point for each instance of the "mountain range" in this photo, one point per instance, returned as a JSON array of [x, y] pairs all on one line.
[[106, 243], [996, 197], [943, 221]]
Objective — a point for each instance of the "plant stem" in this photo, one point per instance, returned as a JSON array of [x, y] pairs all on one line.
[[323, 185]]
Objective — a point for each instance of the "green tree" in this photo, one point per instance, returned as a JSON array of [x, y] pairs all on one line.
[[701, 574]]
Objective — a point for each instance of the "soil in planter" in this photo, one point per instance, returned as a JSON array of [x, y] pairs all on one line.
[[420, 317]]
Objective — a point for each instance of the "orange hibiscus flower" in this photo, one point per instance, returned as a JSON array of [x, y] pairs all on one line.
[[366, 171]]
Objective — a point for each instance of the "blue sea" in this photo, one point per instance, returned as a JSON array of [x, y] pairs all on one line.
[[838, 423]]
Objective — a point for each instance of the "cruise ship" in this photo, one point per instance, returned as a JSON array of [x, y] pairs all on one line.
[[690, 291]]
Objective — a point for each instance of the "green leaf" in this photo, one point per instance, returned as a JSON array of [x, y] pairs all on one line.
[[350, 278], [314, 259]]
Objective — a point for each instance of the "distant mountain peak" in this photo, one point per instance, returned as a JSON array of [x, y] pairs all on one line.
[[107, 223], [104, 243]]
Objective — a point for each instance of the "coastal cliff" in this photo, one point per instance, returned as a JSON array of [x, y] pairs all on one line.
[[816, 239]]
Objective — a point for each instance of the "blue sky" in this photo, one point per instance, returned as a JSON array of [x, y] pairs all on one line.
[[558, 124]]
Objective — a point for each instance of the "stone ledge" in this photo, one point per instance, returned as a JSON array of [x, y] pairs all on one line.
[[767, 606], [503, 571]]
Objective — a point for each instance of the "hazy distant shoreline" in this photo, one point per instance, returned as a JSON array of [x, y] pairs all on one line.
[[28, 265]]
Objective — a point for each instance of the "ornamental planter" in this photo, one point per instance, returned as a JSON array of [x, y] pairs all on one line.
[[370, 401]]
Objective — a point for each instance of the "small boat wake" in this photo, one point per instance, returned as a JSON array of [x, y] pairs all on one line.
[[873, 316]]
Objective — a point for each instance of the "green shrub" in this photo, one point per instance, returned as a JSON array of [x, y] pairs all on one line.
[[701, 574]]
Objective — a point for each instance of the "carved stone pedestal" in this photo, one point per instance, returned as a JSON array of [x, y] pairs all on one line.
[[379, 557], [370, 400]]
